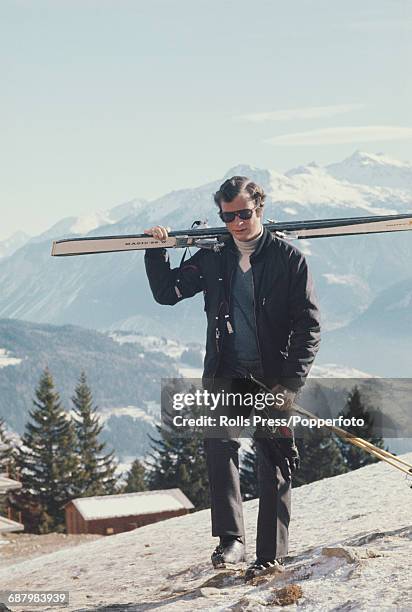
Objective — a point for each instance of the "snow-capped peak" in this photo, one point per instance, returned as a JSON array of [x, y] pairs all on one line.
[[313, 187], [240, 170], [310, 168], [376, 169], [85, 224], [361, 158], [14, 242]]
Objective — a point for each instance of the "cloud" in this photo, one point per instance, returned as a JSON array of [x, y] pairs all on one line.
[[311, 112], [341, 135], [340, 279]]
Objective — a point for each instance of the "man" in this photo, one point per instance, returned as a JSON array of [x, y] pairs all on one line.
[[263, 320]]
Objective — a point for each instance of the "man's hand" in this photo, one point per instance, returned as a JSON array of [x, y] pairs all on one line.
[[288, 398], [159, 232]]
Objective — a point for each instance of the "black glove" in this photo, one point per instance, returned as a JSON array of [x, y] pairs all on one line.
[[280, 452]]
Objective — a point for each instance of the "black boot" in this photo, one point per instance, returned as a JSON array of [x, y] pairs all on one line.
[[260, 568], [230, 551]]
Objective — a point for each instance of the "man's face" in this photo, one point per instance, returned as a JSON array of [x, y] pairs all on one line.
[[243, 229]]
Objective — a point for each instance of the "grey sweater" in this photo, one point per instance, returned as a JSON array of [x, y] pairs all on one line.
[[242, 345]]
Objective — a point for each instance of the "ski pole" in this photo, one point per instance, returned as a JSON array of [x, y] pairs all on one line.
[[368, 447], [385, 453], [375, 452], [361, 443]]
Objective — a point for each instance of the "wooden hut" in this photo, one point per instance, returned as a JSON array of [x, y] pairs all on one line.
[[109, 514], [7, 524]]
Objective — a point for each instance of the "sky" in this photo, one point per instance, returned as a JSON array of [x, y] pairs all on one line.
[[103, 101]]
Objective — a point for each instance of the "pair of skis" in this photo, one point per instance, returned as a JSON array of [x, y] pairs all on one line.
[[214, 238]]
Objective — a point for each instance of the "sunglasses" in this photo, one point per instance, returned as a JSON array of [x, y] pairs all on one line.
[[244, 214]]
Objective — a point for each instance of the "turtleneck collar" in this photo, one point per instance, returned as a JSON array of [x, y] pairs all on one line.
[[246, 248]]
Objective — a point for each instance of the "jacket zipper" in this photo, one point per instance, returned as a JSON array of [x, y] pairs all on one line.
[[219, 351], [254, 313]]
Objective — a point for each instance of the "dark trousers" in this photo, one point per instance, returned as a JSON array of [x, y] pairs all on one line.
[[226, 501]]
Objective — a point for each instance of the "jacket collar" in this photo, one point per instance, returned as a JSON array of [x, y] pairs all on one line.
[[265, 240], [261, 246]]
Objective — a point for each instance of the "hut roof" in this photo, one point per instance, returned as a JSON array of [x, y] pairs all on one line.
[[131, 504], [9, 525]]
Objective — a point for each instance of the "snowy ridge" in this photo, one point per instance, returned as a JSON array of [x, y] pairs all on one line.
[[350, 549], [13, 243], [334, 370], [132, 411], [6, 360], [374, 169], [172, 348], [89, 222], [312, 185]]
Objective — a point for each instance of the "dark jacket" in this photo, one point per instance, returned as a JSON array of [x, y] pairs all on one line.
[[286, 310]]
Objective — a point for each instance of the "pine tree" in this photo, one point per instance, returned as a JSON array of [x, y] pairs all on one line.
[[355, 407], [96, 474], [7, 452], [249, 473], [7, 463], [179, 461], [135, 479], [320, 457], [46, 462]]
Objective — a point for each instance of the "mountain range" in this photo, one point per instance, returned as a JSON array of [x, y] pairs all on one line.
[[123, 370], [352, 274], [13, 243]]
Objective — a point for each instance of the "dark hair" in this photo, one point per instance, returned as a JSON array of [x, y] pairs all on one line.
[[234, 186]]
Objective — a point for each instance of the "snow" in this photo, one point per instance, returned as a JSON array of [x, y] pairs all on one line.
[[190, 372], [13, 243], [8, 484], [313, 185], [132, 411], [5, 360], [374, 169], [350, 549], [380, 159], [171, 348], [87, 223], [344, 279], [333, 370], [131, 504], [7, 525]]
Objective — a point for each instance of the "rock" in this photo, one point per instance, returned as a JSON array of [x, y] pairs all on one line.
[[344, 552], [208, 591], [259, 580], [286, 596], [219, 580], [248, 604], [371, 553]]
